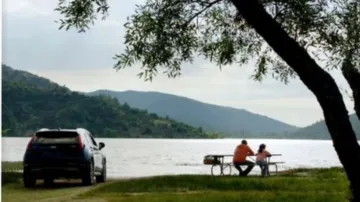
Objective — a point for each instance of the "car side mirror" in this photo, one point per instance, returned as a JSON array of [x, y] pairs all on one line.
[[101, 145]]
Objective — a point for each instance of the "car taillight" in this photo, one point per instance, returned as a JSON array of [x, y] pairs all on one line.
[[81, 145], [29, 146]]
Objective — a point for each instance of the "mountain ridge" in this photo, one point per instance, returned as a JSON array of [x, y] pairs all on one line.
[[155, 102], [193, 99], [25, 82], [319, 130]]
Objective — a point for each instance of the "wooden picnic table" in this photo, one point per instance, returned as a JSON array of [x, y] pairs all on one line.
[[217, 162]]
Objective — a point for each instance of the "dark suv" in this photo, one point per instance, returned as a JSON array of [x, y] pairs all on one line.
[[64, 153]]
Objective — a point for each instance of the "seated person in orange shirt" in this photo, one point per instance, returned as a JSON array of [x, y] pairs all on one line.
[[240, 154]]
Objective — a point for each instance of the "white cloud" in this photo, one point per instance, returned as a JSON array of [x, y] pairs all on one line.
[[83, 62]]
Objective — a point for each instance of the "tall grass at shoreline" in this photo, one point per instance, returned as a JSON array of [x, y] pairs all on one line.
[[11, 166]]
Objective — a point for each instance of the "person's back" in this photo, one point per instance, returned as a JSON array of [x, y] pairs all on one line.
[[239, 159], [241, 152], [262, 155], [261, 160]]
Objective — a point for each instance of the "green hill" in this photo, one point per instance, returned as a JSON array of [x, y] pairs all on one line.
[[31, 102], [230, 121], [319, 130], [10, 74]]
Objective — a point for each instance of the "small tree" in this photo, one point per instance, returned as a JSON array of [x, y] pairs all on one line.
[[283, 36]]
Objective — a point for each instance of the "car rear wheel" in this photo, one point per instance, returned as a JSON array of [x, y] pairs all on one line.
[[28, 180], [102, 177], [89, 176]]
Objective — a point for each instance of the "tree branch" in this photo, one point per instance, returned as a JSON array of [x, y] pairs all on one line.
[[204, 9], [352, 76]]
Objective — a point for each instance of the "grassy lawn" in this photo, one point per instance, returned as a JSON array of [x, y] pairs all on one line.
[[310, 185]]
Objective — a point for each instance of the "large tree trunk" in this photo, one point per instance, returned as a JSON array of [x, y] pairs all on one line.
[[317, 80]]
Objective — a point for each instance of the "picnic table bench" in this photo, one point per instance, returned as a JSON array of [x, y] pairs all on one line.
[[225, 168]]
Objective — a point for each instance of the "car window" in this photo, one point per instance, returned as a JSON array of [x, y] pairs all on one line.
[[92, 139], [56, 138], [88, 141]]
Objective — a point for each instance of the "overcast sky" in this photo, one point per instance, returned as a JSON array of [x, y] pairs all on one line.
[[83, 62]]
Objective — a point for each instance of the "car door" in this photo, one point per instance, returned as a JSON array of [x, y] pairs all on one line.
[[93, 150], [97, 154], [90, 145]]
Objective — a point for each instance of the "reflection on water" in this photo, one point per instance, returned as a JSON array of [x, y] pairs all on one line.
[[146, 157]]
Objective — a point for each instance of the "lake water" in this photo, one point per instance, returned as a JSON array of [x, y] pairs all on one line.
[[148, 157]]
